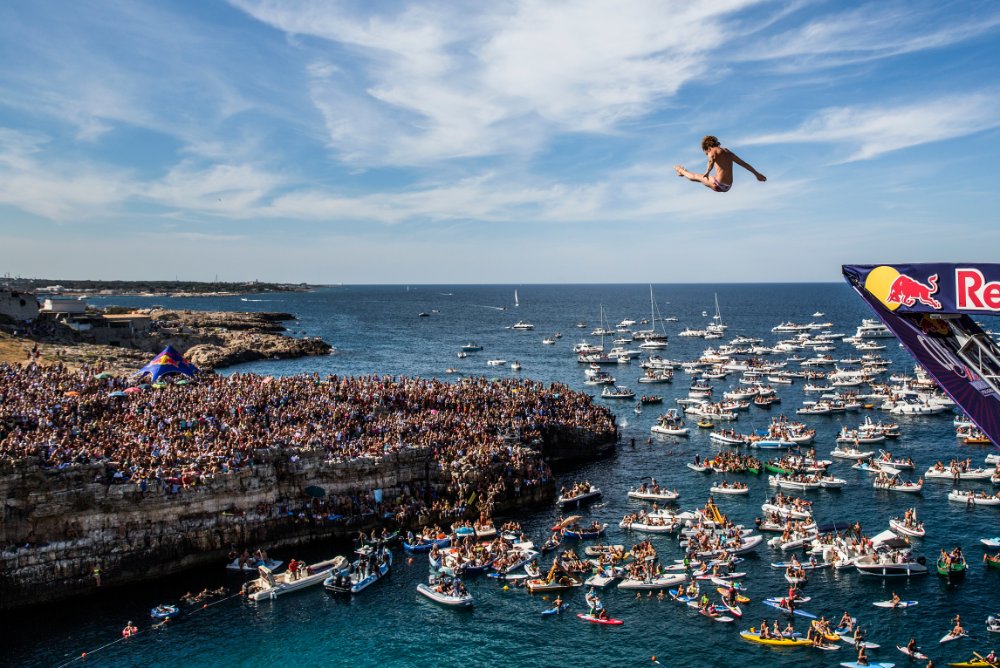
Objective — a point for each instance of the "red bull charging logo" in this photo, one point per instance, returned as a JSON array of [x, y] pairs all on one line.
[[894, 289]]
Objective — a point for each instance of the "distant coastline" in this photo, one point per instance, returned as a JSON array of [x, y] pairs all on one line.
[[94, 288]]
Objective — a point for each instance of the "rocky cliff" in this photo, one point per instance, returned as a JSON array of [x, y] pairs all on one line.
[[66, 532]]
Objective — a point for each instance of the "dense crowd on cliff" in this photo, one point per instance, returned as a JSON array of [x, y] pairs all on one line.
[[179, 437]]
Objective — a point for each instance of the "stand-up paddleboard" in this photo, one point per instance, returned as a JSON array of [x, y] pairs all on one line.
[[717, 617], [598, 620], [915, 654], [948, 637], [899, 604], [555, 611], [800, 613], [870, 664]]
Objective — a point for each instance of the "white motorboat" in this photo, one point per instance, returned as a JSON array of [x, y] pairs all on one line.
[[729, 489], [446, 592], [648, 494], [973, 498], [522, 326], [661, 582], [571, 499], [956, 474], [372, 566], [617, 392], [252, 564], [495, 362], [269, 585]]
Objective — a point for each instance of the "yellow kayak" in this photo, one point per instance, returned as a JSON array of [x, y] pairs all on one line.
[[779, 642], [972, 663]]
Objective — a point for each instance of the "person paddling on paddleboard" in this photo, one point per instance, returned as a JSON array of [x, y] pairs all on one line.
[[722, 160]]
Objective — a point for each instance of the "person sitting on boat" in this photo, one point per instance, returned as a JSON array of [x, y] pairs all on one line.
[[129, 630], [789, 631], [895, 599], [764, 632]]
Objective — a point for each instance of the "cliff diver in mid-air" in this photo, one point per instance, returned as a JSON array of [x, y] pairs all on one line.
[[722, 159]]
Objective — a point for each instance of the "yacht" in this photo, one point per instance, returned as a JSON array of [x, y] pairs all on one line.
[[872, 329], [523, 326]]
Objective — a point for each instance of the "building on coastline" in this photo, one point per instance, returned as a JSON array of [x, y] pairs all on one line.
[[59, 305], [18, 306]]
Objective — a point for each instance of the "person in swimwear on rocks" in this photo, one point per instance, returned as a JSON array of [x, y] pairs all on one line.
[[722, 159]]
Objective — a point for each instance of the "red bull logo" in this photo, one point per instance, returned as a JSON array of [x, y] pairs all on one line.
[[974, 293], [894, 289], [907, 291]]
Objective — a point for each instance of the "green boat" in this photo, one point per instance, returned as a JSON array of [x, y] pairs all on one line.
[[992, 561], [954, 569], [780, 470]]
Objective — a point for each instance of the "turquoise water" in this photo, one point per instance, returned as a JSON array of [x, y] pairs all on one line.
[[376, 329]]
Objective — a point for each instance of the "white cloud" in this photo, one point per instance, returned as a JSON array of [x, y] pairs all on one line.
[[439, 82], [872, 131]]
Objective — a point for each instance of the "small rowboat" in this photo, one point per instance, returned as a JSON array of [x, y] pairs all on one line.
[[954, 569]]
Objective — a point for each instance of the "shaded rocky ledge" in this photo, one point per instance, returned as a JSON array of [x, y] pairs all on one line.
[[59, 526]]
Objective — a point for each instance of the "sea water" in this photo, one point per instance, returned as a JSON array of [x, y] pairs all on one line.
[[378, 329]]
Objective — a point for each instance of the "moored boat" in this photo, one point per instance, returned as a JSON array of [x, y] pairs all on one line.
[[269, 585]]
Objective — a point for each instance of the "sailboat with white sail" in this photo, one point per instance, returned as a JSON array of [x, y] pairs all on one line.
[[651, 339], [516, 302], [717, 328]]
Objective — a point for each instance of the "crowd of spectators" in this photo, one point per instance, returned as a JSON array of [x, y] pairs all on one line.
[[171, 437]]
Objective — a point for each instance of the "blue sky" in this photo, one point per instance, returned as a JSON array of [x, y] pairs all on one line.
[[500, 142]]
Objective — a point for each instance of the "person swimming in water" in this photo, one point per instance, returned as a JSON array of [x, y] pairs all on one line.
[[722, 160]]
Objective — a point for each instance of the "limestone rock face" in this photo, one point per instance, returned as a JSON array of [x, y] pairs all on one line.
[[240, 347]]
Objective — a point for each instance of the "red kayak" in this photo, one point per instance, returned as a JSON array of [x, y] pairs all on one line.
[[598, 620]]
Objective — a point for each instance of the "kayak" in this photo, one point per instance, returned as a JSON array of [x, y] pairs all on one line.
[[508, 576], [971, 663], [900, 604], [778, 642], [555, 611], [948, 637], [870, 664], [916, 655], [596, 620], [800, 613]]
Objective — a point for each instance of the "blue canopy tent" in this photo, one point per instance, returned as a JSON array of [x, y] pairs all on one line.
[[168, 361]]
